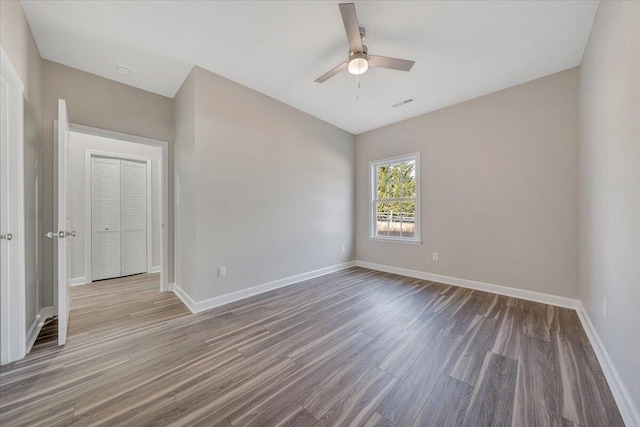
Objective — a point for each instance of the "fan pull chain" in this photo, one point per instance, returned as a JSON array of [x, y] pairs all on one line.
[[358, 86]]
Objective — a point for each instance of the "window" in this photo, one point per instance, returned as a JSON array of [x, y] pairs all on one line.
[[395, 199]]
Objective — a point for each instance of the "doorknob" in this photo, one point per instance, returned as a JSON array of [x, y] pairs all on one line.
[[7, 236], [59, 234]]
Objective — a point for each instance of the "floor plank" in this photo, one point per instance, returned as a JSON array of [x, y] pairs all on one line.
[[406, 399], [537, 394], [492, 400], [446, 405]]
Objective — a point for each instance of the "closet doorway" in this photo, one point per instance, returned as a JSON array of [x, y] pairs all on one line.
[[118, 203], [120, 216]]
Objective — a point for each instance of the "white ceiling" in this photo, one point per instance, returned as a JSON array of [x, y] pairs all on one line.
[[462, 49]]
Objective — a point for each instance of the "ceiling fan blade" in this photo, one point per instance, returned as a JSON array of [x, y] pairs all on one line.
[[392, 63], [350, 19], [329, 74]]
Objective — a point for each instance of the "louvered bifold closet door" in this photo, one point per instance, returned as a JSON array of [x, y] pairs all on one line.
[[134, 217], [105, 218]]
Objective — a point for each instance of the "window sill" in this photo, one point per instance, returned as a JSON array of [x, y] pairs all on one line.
[[395, 240]]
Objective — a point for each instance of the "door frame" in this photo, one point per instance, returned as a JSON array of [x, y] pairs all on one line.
[[88, 155], [13, 333], [164, 189]]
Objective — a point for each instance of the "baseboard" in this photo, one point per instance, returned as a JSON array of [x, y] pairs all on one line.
[[155, 269], [184, 297], [78, 281], [34, 330], [198, 306], [630, 413], [472, 284], [36, 326]]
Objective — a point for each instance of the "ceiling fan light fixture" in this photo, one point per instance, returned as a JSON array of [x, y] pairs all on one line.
[[358, 65], [358, 60]]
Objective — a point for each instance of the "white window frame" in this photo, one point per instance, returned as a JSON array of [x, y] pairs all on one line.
[[373, 182]]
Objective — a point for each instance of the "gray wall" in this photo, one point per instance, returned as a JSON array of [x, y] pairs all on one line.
[[610, 185], [105, 104], [499, 183], [275, 189], [17, 41], [79, 143]]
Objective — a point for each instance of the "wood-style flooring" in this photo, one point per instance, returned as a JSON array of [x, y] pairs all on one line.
[[356, 347]]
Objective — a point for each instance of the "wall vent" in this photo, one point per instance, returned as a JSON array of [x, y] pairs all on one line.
[[406, 101]]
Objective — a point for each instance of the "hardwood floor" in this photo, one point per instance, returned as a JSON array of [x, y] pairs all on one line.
[[356, 347]]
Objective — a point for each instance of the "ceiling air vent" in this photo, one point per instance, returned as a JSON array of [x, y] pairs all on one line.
[[406, 101]]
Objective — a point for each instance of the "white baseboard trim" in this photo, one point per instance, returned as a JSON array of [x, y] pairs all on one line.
[[630, 413], [36, 326], [472, 284], [155, 269], [184, 297], [198, 306], [33, 331], [78, 281]]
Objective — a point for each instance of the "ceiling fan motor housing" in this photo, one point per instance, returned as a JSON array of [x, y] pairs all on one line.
[[364, 54]]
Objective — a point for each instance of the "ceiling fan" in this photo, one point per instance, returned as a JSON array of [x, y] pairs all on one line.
[[359, 59]]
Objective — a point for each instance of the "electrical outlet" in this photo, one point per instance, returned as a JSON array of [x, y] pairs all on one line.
[[222, 271], [434, 256], [344, 248], [605, 307]]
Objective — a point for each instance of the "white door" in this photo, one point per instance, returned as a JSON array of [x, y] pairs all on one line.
[[134, 217], [118, 218], [63, 233], [105, 218], [12, 302]]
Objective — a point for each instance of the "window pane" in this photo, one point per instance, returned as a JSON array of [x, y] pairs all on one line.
[[409, 179], [408, 169], [408, 219], [383, 182], [395, 189], [383, 189], [395, 172], [383, 219], [395, 227], [409, 208], [389, 219]]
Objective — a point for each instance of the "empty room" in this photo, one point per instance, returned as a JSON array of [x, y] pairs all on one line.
[[320, 213]]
